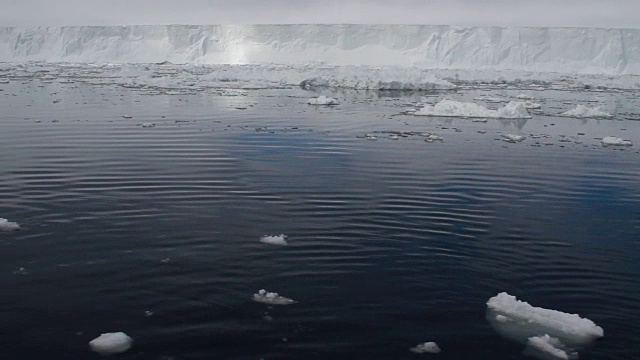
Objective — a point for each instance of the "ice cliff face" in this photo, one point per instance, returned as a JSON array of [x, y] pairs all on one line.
[[570, 50]]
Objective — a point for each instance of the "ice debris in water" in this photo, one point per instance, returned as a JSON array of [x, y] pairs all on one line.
[[513, 110], [615, 141], [581, 111], [323, 100], [6, 225], [548, 348], [272, 298], [512, 138], [428, 347], [531, 105], [111, 343], [274, 239], [148, 125], [541, 329]]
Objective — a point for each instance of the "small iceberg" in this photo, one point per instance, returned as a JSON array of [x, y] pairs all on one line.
[[581, 111], [272, 298], [148, 125], [6, 225], [545, 332], [111, 343], [615, 141], [512, 138], [274, 240], [323, 100], [428, 347], [450, 108]]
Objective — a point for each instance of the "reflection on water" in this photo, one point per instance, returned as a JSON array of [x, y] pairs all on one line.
[[391, 243]]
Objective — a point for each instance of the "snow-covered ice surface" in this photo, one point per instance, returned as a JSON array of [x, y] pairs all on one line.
[[541, 328], [6, 225], [272, 298], [274, 239], [582, 111], [451, 108], [428, 347], [111, 343], [513, 138]]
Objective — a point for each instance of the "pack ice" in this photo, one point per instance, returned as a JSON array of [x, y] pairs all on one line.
[[548, 334]]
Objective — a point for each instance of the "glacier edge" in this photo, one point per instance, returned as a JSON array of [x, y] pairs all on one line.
[[561, 50]]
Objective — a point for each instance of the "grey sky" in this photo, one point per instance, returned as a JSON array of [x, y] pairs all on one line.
[[590, 13]]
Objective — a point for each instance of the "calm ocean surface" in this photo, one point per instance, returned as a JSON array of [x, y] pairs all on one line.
[[155, 231]]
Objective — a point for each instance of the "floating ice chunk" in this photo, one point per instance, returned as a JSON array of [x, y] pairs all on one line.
[[581, 111], [432, 137], [111, 343], [148, 125], [512, 138], [531, 105], [525, 97], [513, 110], [127, 116], [323, 100], [615, 141], [526, 321], [428, 347], [6, 225], [272, 298], [548, 348], [275, 239]]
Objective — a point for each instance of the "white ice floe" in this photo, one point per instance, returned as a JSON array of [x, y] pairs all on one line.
[[547, 348], [448, 108], [513, 138], [111, 343], [581, 111], [274, 239], [615, 141], [525, 97], [272, 298], [428, 347], [148, 125], [432, 137], [323, 100], [532, 105], [519, 321], [6, 225]]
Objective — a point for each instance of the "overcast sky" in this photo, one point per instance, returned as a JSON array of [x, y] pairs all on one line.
[[591, 13]]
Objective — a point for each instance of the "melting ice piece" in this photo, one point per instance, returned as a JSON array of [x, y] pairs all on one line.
[[111, 343], [428, 347], [6, 225], [512, 138], [519, 321], [272, 298], [581, 111], [148, 125], [323, 100], [513, 110], [548, 348], [616, 141], [275, 239]]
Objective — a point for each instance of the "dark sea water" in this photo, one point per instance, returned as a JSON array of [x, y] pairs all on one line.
[[391, 242]]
